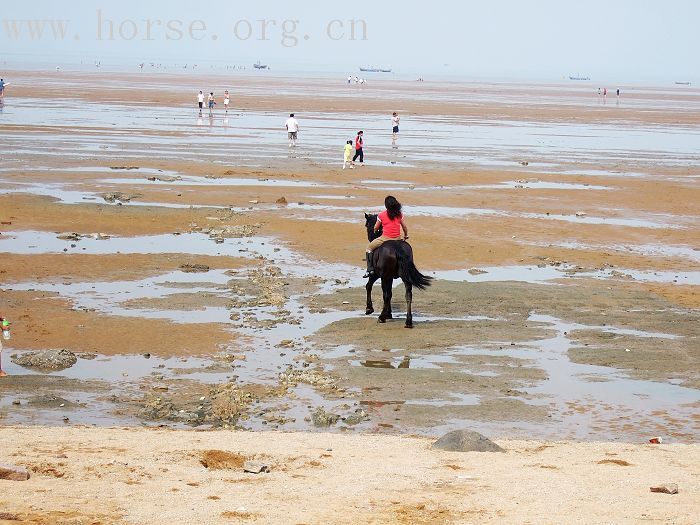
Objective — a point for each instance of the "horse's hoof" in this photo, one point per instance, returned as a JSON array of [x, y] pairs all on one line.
[[408, 326], [380, 320], [389, 316], [369, 311]]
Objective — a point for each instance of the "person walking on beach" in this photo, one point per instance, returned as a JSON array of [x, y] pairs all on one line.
[[226, 100], [394, 125], [292, 130], [211, 103], [359, 143], [347, 154], [200, 101], [2, 90]]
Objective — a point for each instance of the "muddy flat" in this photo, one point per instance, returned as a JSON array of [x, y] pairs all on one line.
[[200, 274]]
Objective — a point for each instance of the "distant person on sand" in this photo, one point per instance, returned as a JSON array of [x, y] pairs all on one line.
[[349, 79], [348, 154], [226, 100], [395, 125], [2, 90], [292, 130], [200, 101], [211, 103], [359, 143]]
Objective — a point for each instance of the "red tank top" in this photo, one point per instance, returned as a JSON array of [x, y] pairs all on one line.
[[390, 227]]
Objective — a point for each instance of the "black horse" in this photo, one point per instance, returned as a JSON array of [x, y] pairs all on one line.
[[392, 260]]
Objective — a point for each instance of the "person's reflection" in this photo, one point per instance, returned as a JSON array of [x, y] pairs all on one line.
[[200, 121]]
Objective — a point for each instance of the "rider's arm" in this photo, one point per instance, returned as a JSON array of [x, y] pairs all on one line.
[[405, 230], [377, 225]]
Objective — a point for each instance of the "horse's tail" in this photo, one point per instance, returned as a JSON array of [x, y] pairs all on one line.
[[408, 270]]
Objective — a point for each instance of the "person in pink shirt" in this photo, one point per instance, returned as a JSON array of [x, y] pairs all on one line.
[[391, 222]]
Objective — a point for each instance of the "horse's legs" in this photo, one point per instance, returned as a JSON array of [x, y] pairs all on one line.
[[373, 278], [386, 292], [409, 298]]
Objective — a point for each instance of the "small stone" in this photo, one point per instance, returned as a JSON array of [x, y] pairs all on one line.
[[281, 201], [666, 488], [194, 268], [255, 467], [12, 473], [476, 271], [466, 441], [68, 236], [16, 402], [580, 214]]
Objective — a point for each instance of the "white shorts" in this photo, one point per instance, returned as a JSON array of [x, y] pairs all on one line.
[[226, 102]]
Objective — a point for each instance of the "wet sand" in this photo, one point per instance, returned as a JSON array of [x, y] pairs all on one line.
[[562, 233]]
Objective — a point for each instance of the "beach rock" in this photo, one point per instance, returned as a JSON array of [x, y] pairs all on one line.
[[118, 196], [68, 236], [666, 488], [194, 268], [123, 167], [12, 473], [50, 401], [466, 441], [476, 271], [281, 201], [46, 360], [255, 467], [323, 419]]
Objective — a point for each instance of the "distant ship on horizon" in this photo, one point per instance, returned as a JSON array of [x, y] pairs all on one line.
[[373, 69], [258, 65], [578, 77], [685, 83]]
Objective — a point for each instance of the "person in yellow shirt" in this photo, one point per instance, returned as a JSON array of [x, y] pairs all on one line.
[[348, 154]]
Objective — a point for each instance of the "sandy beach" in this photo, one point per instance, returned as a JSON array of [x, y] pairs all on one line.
[[87, 476], [207, 281]]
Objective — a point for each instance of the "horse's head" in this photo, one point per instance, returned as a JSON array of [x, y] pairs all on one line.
[[370, 221]]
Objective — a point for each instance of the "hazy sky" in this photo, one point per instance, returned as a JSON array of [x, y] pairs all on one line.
[[623, 40]]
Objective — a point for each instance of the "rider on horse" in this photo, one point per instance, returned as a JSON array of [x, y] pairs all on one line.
[[391, 222]]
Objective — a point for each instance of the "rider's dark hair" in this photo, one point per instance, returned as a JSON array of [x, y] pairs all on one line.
[[393, 207]]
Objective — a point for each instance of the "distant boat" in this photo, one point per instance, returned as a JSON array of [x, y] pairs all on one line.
[[578, 77], [682, 83], [374, 70], [258, 65]]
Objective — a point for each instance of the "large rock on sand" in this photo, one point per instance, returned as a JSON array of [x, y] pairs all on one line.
[[12, 473], [46, 360], [466, 441]]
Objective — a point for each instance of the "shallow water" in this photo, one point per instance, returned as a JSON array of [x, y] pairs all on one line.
[[247, 138], [586, 402]]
